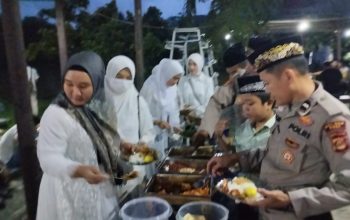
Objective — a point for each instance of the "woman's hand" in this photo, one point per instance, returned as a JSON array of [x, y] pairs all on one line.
[[177, 130], [162, 124], [126, 147], [90, 173]]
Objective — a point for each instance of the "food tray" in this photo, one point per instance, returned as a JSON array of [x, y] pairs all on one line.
[[183, 166], [173, 183], [202, 152]]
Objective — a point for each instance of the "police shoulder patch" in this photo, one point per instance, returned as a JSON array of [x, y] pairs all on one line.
[[336, 131]]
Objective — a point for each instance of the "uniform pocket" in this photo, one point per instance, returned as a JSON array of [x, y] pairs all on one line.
[[292, 153]]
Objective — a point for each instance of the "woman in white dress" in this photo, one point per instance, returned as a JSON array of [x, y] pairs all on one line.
[[196, 88], [76, 150], [133, 118], [160, 92], [131, 115]]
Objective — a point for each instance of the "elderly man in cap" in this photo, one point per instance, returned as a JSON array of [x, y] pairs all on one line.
[[306, 166], [236, 64]]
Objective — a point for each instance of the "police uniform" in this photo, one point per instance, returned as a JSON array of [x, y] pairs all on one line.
[[221, 103], [308, 153]]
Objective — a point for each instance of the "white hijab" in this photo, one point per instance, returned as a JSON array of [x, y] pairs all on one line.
[[197, 59], [198, 79], [161, 98], [196, 89], [122, 94]]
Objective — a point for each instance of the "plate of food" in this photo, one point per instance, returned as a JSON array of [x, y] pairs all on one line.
[[240, 189], [140, 155]]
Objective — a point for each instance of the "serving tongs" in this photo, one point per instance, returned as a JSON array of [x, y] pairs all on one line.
[[206, 180]]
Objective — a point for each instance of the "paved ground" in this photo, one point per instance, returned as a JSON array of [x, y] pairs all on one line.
[[342, 213], [15, 206]]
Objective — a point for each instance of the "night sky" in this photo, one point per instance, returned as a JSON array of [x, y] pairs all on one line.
[[168, 7]]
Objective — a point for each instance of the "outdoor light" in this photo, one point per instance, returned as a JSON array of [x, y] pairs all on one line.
[[347, 33], [303, 26], [227, 36]]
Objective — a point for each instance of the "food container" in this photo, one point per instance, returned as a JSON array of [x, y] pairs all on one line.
[[202, 152], [146, 208], [203, 211], [178, 189], [183, 166]]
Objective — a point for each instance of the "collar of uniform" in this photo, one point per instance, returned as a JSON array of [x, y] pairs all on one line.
[[317, 94], [297, 107], [268, 124]]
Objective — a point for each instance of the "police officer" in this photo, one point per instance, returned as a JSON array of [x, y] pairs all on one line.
[[221, 104], [306, 166], [236, 63]]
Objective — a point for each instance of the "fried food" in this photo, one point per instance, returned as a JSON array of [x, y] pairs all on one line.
[[183, 188], [189, 216], [204, 191]]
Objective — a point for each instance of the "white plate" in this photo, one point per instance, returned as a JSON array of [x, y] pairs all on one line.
[[258, 196]]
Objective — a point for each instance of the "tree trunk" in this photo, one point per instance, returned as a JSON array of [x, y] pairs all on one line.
[[61, 34], [14, 44], [138, 45]]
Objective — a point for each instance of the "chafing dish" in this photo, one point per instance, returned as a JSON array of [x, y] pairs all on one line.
[[176, 189], [183, 166], [202, 152]]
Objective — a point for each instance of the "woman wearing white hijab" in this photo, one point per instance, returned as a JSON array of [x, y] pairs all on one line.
[[160, 92], [133, 118], [195, 89], [130, 114]]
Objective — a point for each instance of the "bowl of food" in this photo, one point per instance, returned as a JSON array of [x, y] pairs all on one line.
[[202, 211], [239, 188], [140, 154]]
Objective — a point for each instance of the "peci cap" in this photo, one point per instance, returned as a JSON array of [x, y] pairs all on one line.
[[234, 55], [250, 84], [276, 52], [256, 42]]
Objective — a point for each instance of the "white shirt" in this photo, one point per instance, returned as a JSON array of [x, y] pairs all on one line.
[[195, 92], [63, 144]]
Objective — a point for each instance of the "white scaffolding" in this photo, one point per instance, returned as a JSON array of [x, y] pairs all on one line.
[[182, 38]]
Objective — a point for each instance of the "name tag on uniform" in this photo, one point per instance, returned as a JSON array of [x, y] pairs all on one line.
[[291, 143], [295, 128]]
